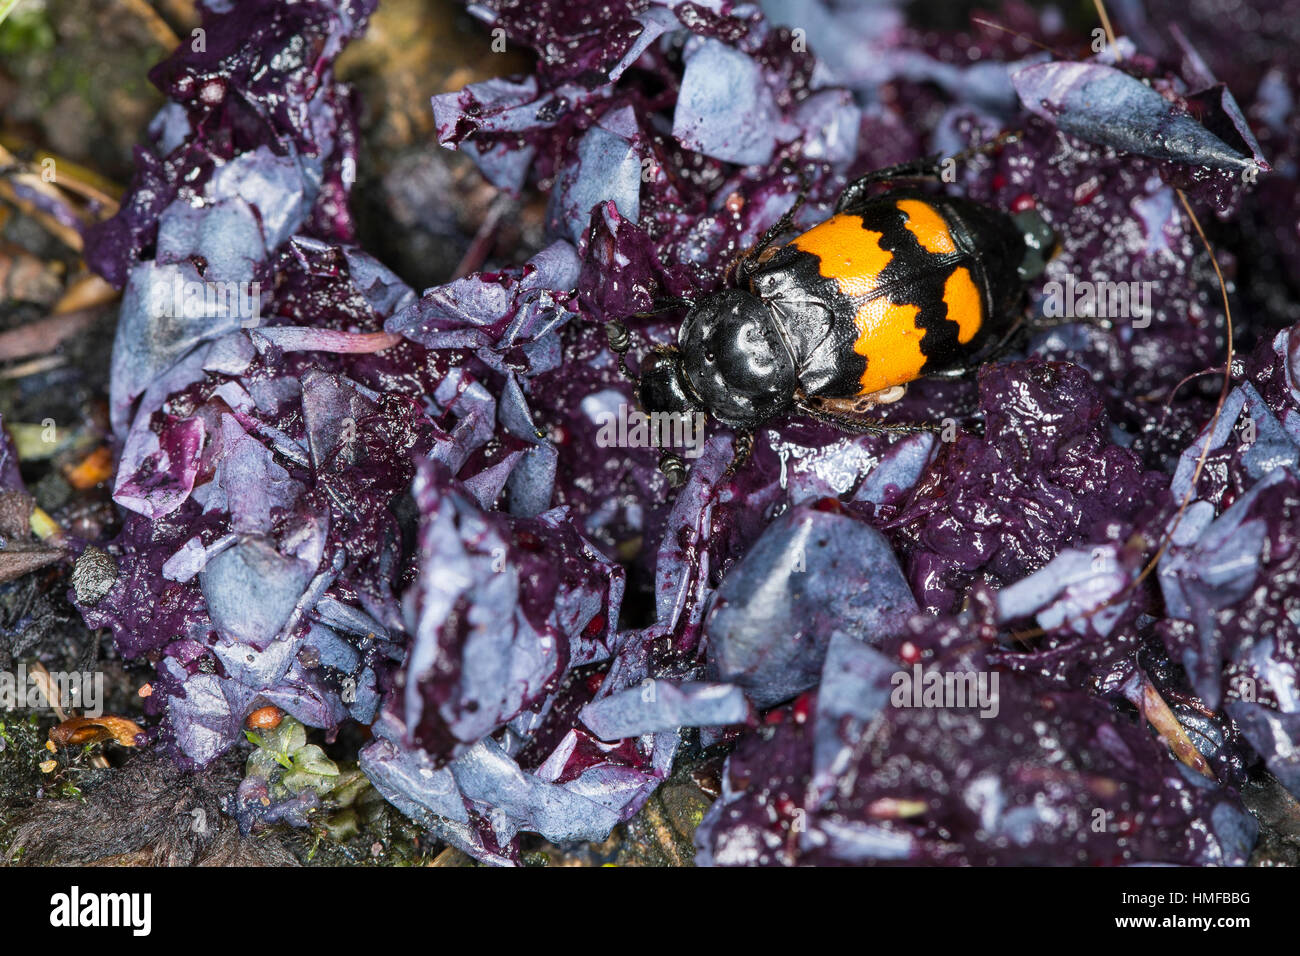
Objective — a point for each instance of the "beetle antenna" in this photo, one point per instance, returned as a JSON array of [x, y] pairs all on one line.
[[787, 218], [667, 304], [997, 142], [620, 340]]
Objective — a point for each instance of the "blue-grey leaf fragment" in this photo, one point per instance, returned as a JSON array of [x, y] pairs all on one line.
[[775, 612], [1104, 105], [658, 705]]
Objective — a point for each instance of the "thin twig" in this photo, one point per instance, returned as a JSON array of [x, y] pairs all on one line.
[[1105, 25], [479, 246], [64, 233], [35, 366], [163, 34], [44, 335]]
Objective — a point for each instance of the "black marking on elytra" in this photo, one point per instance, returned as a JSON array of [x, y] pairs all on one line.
[[915, 276], [820, 320]]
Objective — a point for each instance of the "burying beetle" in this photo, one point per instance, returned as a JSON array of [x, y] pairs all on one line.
[[890, 288]]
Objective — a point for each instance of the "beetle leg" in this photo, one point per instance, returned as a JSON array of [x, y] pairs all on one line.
[[673, 468], [748, 262], [870, 426], [744, 448], [997, 142], [1003, 344], [1041, 323], [925, 168], [990, 354], [952, 374], [744, 264], [849, 415]]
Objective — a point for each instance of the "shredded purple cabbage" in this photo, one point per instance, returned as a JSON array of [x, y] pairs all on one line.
[[367, 505]]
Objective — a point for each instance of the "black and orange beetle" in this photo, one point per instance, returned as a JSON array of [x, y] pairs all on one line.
[[841, 318]]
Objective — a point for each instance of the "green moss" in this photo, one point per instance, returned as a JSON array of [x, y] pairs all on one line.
[[353, 819], [21, 752]]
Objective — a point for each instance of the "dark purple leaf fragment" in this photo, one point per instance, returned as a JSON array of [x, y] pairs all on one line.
[[491, 780], [1075, 589], [607, 168], [494, 310], [500, 608], [1273, 734], [262, 85], [724, 109], [1044, 476], [872, 778], [157, 473]]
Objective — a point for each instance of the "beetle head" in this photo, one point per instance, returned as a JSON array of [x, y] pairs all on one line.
[[662, 387]]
